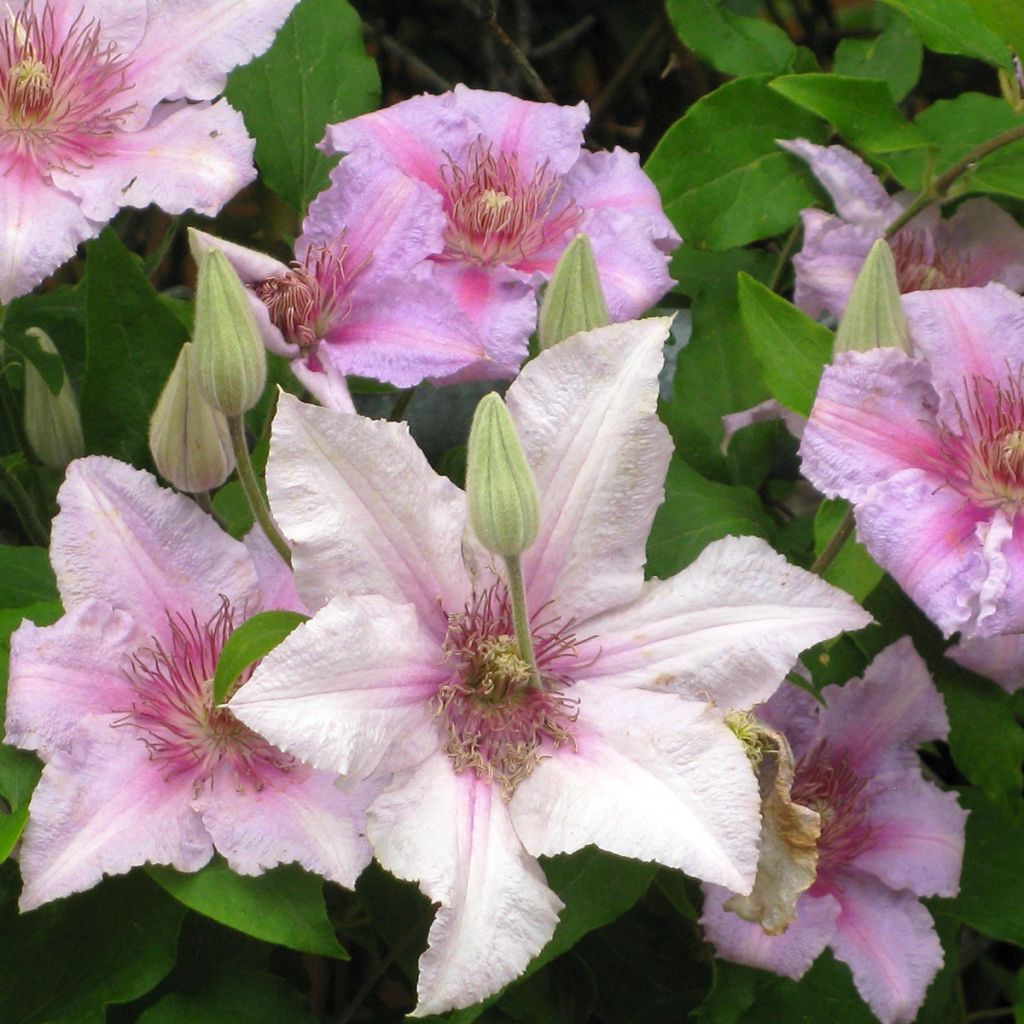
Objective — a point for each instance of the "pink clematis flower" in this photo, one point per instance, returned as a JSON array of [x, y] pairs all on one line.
[[930, 450], [116, 698], [106, 104], [887, 837], [979, 244], [410, 663]]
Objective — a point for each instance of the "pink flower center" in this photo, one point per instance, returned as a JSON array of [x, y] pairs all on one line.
[[59, 92], [498, 214], [985, 458], [175, 716], [924, 264], [497, 724], [825, 782], [312, 297]]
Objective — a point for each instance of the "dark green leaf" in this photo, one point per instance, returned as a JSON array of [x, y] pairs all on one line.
[[25, 576], [563, 993], [950, 26], [49, 364], [19, 772], [253, 639], [791, 347], [853, 569], [283, 906], [316, 73], [732, 994], [132, 342], [61, 313], [894, 56]]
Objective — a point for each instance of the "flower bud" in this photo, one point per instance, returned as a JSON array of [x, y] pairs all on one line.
[[573, 300], [188, 438], [874, 313], [52, 424], [502, 497], [229, 348]]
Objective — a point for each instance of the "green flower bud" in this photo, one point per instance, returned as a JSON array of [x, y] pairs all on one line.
[[573, 300], [874, 314], [229, 348], [52, 424], [502, 497], [188, 438]]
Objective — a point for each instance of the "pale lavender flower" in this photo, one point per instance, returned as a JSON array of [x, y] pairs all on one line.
[[110, 103], [887, 836], [930, 451], [409, 662], [979, 244], [117, 699]]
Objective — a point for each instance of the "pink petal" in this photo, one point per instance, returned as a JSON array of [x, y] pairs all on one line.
[[857, 194], [917, 838], [275, 580], [103, 810], [726, 629], [873, 416], [585, 412], [990, 240], [452, 834], [889, 941], [121, 22], [1001, 658], [768, 411], [27, 254], [327, 384], [651, 776], [1001, 596], [195, 159], [880, 721], [829, 262], [298, 816], [789, 954], [122, 538], [365, 512], [61, 673], [795, 713], [348, 687]]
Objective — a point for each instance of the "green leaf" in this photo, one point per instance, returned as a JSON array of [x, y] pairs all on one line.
[[950, 26], [1004, 17], [861, 109], [695, 512], [791, 347], [19, 772], [68, 960], [730, 42], [316, 73], [132, 342], [253, 639], [732, 994], [562, 993], [853, 569], [49, 364], [240, 997], [894, 56], [722, 176], [283, 906], [25, 576], [61, 313]]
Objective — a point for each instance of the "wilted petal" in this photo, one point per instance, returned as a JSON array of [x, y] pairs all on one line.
[[652, 777], [1001, 658], [889, 941], [586, 419], [726, 629], [452, 834]]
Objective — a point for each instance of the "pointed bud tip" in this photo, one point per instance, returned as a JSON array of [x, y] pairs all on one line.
[[573, 300], [53, 426], [874, 316]]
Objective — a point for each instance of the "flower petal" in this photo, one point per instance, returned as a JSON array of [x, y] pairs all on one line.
[[889, 941], [651, 776], [829, 262], [585, 412], [789, 954], [275, 579], [122, 538], [1001, 658], [105, 809], [990, 240], [726, 629], [452, 834], [365, 511], [347, 686]]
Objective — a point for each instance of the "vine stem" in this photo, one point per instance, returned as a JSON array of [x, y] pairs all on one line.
[[834, 546], [247, 478]]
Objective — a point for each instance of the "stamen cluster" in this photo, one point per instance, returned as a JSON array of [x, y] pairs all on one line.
[[924, 263]]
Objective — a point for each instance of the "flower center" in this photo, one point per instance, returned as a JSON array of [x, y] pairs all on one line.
[[57, 90], [311, 298], [924, 264], [984, 460], [497, 724], [498, 214], [174, 712], [825, 782]]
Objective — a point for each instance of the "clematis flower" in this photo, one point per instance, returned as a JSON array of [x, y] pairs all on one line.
[[1001, 658], [888, 836], [116, 697], [410, 663], [109, 104], [979, 244], [499, 186], [930, 450]]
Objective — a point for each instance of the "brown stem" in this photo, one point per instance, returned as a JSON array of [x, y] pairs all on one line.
[[834, 546]]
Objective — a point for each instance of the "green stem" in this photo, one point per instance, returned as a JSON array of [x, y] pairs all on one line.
[[401, 406], [1003, 1011], [247, 478], [521, 617], [202, 499], [784, 254], [22, 503], [834, 546]]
